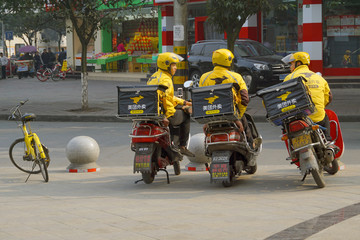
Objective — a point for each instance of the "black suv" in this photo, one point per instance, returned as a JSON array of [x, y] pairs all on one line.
[[259, 66]]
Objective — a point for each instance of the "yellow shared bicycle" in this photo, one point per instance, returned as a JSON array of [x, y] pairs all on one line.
[[28, 154]]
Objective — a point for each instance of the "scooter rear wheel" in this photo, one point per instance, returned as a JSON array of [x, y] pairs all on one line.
[[177, 169], [230, 182], [148, 177], [333, 167], [251, 169]]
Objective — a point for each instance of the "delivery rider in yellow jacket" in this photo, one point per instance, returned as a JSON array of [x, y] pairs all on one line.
[[318, 87], [221, 74], [176, 109]]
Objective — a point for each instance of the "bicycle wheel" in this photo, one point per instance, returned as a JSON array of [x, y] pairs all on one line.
[[43, 163], [40, 74], [69, 70], [55, 75], [46, 151], [43, 168], [18, 158], [62, 75]]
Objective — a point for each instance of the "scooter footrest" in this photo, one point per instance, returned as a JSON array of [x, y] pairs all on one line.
[[293, 162]]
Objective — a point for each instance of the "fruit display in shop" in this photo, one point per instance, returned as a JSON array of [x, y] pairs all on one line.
[[145, 39], [140, 43], [108, 55]]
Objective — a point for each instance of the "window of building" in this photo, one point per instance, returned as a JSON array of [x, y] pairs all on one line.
[[341, 32], [280, 28]]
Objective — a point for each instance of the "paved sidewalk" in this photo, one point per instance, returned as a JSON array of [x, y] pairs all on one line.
[[108, 205], [61, 101]]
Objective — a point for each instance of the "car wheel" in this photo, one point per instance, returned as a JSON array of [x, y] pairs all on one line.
[[249, 80], [195, 77]]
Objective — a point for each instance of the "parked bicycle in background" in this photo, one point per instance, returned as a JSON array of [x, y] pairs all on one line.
[[60, 71], [44, 73]]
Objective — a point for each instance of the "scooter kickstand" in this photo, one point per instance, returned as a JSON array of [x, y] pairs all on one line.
[[304, 177], [139, 181], [167, 175], [33, 167]]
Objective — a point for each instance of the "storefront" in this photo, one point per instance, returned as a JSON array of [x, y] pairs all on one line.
[[128, 44], [341, 45], [328, 30]]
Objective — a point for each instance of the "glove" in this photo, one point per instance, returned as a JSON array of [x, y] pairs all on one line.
[[187, 109], [166, 122]]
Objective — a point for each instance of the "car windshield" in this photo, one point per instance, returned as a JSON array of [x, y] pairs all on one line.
[[251, 49]]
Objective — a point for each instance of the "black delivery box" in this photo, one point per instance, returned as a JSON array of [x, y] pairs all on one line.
[[214, 103], [286, 99], [138, 101]]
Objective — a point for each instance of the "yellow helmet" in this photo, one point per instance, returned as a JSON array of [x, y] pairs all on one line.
[[303, 57], [222, 57], [166, 59]]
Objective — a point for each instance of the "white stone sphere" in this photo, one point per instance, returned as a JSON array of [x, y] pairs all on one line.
[[197, 146], [82, 150]]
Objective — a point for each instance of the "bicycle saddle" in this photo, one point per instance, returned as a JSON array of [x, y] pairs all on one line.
[[28, 117]]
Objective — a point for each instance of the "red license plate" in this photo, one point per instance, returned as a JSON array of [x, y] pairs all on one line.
[[219, 170], [142, 162]]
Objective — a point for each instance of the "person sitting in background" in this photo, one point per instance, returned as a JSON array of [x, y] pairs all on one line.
[[346, 62], [121, 47]]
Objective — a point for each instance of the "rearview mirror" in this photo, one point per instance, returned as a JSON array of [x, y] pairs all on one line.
[[188, 84]]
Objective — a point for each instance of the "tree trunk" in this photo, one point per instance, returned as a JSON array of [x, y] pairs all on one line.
[[231, 41], [84, 79]]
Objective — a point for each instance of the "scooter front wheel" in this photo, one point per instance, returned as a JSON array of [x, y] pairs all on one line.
[[318, 177]]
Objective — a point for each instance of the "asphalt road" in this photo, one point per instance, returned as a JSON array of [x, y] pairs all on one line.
[[113, 141]]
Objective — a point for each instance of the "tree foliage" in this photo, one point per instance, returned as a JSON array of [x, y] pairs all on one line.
[[87, 17], [230, 15], [25, 19]]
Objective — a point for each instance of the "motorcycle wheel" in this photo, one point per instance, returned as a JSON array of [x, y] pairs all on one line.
[[333, 167], [251, 169], [229, 183], [318, 177], [177, 169]]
